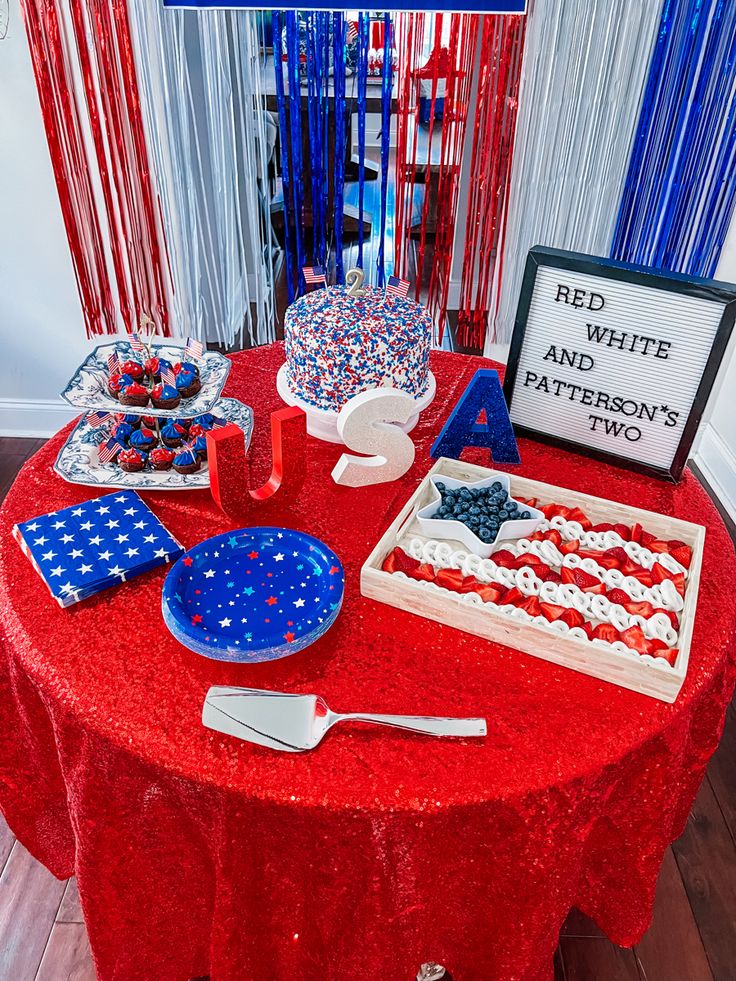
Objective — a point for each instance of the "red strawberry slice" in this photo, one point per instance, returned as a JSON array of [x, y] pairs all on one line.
[[513, 595], [683, 555], [619, 596], [636, 532], [675, 543], [607, 632], [634, 637], [588, 628], [623, 530], [589, 584], [389, 563], [531, 605], [603, 526], [647, 538], [568, 547], [618, 554], [669, 654], [553, 536], [553, 576], [656, 645], [423, 572], [673, 618], [449, 578], [643, 609], [504, 558], [553, 612], [488, 592], [679, 582], [404, 562], [658, 546], [573, 618], [468, 585], [659, 573], [554, 511], [606, 562], [644, 576], [581, 517]]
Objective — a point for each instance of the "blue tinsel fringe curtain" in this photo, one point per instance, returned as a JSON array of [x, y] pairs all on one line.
[[680, 189]]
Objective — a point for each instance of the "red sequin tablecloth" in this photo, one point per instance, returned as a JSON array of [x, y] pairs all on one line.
[[197, 854]]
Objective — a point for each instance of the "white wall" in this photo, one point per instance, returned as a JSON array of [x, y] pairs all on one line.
[[42, 335]]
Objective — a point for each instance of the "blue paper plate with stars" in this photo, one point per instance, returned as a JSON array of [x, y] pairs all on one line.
[[253, 595]]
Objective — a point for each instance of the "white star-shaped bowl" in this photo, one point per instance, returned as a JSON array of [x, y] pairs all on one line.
[[432, 527]]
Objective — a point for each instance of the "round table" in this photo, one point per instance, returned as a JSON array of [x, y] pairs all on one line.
[[199, 854]]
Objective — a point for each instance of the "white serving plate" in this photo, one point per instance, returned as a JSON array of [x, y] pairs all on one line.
[[78, 461], [87, 388]]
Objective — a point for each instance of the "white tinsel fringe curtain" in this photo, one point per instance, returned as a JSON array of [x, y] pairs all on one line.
[[583, 74], [209, 137]]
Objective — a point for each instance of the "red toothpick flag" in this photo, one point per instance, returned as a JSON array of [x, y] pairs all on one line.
[[314, 276], [397, 287], [109, 450], [168, 377], [136, 343], [96, 419], [113, 365], [194, 348]]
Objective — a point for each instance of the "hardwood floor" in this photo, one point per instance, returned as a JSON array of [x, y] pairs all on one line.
[[692, 936]]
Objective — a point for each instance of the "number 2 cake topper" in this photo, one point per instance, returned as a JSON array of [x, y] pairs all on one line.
[[354, 281]]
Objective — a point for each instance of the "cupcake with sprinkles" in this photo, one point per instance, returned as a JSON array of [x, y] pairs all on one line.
[[165, 396], [162, 458], [131, 460], [187, 461]]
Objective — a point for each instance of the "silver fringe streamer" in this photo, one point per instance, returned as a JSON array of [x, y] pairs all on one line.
[[583, 74], [202, 91]]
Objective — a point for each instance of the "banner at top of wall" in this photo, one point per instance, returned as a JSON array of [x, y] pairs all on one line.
[[460, 6]]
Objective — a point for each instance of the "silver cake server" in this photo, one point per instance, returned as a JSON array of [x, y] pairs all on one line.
[[294, 723]]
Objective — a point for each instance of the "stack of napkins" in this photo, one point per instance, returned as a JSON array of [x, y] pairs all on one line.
[[84, 549]]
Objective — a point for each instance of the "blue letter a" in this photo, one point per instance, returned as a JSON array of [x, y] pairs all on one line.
[[483, 394]]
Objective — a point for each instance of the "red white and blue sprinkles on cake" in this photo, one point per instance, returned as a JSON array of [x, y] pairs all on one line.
[[253, 595], [339, 345]]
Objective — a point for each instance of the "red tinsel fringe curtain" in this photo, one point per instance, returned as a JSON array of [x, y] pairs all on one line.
[[432, 150], [88, 90], [502, 45]]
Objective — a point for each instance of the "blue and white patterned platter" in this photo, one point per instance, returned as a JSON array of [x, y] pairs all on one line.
[[253, 595], [78, 461], [88, 386]]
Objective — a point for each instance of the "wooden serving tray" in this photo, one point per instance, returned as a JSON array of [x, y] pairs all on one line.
[[650, 676]]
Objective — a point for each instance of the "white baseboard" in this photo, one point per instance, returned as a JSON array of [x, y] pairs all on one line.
[[39, 418], [717, 463]]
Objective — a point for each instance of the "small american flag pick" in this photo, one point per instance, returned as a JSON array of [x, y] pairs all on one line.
[[113, 365], [109, 450], [314, 276], [88, 547], [194, 348], [95, 419], [397, 287], [352, 32], [136, 343], [168, 377]]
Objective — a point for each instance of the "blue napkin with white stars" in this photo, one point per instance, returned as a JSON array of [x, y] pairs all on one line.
[[81, 550]]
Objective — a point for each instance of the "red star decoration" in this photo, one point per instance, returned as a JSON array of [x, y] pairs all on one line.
[[271, 600], [289, 623], [333, 570], [289, 636], [188, 560], [252, 555], [196, 619]]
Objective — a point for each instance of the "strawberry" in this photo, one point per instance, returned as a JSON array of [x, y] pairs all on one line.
[[643, 609], [607, 632], [554, 510], [623, 530], [659, 573], [542, 570], [581, 517], [449, 578], [618, 554], [513, 595], [669, 654], [679, 581], [468, 585], [647, 538], [404, 562], [636, 530], [553, 576], [619, 596], [672, 616], [389, 563], [588, 628], [589, 584], [658, 546], [531, 606], [554, 536], [634, 638], [504, 557], [568, 547], [674, 543], [423, 572], [573, 618], [603, 526], [525, 559], [656, 645], [489, 592], [567, 574], [683, 555], [551, 611], [606, 562]]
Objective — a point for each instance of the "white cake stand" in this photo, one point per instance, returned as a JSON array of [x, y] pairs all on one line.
[[322, 423]]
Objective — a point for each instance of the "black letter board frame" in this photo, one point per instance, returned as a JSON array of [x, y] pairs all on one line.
[[611, 269]]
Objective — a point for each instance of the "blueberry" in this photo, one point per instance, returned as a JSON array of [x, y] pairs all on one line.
[[526, 514], [440, 486], [475, 509], [485, 535]]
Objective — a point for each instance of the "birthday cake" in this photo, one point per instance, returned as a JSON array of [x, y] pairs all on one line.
[[338, 345]]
